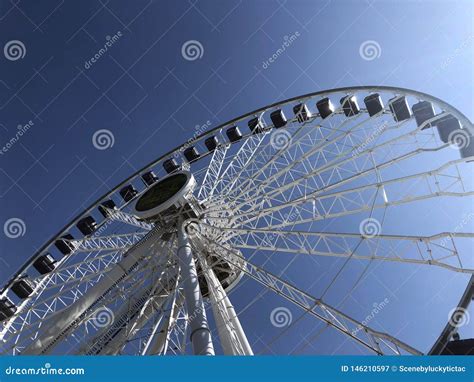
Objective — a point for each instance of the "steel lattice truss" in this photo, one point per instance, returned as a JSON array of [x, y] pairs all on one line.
[[317, 187]]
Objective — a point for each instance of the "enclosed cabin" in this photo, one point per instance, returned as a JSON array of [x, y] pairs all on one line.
[[211, 143], [399, 107], [191, 154], [87, 225], [234, 134], [450, 131], [255, 125], [278, 118], [148, 178], [170, 165], [107, 207], [301, 112], [325, 107], [23, 287], [128, 192], [374, 104], [349, 104], [7, 308], [64, 245], [423, 111], [45, 264]]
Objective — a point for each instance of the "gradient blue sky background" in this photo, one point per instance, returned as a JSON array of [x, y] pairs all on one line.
[[151, 98]]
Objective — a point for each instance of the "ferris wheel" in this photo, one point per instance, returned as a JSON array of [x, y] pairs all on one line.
[[339, 175]]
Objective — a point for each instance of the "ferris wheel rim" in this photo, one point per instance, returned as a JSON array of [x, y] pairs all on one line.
[[451, 109]]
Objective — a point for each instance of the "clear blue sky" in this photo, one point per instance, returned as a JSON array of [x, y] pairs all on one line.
[[135, 88]]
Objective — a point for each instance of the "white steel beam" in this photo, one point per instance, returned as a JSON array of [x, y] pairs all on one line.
[[200, 333], [377, 342]]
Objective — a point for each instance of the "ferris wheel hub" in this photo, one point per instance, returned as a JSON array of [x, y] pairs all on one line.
[[172, 199], [166, 197]]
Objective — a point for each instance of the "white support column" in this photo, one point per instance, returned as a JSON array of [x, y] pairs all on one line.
[[200, 333], [232, 336]]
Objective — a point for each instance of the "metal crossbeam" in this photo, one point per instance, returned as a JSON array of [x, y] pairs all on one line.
[[379, 343], [439, 250], [213, 172], [112, 242]]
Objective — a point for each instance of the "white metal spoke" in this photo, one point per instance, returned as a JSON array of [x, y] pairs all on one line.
[[307, 161], [334, 166], [439, 250], [213, 172], [128, 219], [113, 242], [240, 160], [379, 343], [317, 205]]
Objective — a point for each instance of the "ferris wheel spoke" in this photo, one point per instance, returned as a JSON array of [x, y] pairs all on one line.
[[68, 278], [112, 242], [126, 218], [439, 250], [334, 166], [130, 318], [30, 329], [141, 331], [265, 157], [65, 282], [66, 287], [329, 151], [157, 341], [316, 205], [213, 172], [102, 252], [178, 328], [307, 136], [377, 342], [58, 305], [61, 326], [81, 272], [102, 319], [238, 163], [72, 268]]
